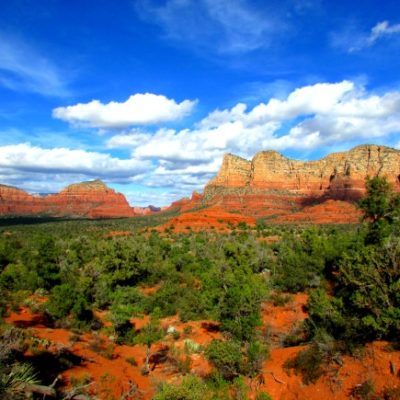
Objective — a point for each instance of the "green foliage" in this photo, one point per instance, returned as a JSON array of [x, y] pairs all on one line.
[[13, 372], [12, 382], [226, 356], [365, 304], [191, 388], [308, 363], [381, 207], [369, 286], [364, 391], [231, 358], [150, 333], [241, 301], [304, 260], [366, 300], [126, 303], [263, 396], [61, 301], [256, 353], [239, 389], [65, 301]]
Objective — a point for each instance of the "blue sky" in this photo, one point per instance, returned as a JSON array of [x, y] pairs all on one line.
[[148, 95]]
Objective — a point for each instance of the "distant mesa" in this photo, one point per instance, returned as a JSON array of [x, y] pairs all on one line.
[[146, 210], [93, 199]]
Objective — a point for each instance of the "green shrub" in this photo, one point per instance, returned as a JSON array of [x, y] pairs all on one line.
[[364, 391], [263, 396], [310, 363], [314, 361], [226, 357], [191, 388]]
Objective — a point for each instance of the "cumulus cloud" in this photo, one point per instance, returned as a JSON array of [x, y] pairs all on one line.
[[139, 109], [310, 117], [17, 159]]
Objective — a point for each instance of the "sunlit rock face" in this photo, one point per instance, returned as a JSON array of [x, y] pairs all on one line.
[[14, 201], [271, 184], [87, 199]]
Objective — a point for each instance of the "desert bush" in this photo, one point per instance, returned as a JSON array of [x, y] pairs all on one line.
[[312, 362], [364, 391], [226, 357], [191, 388], [263, 396]]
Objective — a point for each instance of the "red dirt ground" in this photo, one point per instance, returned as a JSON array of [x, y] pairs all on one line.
[[221, 219], [109, 369], [210, 218], [282, 320], [373, 366], [328, 212], [111, 372]]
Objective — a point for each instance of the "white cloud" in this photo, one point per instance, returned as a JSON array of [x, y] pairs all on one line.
[[353, 40], [139, 109], [382, 29], [222, 26], [22, 68], [312, 116], [24, 157], [155, 197], [127, 140]]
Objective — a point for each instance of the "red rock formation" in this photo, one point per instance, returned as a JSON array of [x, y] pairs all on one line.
[[88, 199], [272, 185], [15, 202], [340, 174], [185, 204]]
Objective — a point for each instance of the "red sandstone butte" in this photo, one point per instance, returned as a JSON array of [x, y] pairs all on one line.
[[285, 190], [87, 199]]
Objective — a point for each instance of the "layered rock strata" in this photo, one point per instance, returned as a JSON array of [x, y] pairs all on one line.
[[87, 199], [271, 184]]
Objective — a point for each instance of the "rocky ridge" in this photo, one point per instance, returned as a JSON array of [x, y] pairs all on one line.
[[339, 174], [283, 190], [91, 199]]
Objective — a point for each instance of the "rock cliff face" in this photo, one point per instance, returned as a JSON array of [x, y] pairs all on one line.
[[271, 184], [14, 201], [185, 204], [88, 199]]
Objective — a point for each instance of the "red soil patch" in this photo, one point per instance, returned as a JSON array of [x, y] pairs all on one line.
[[282, 320], [149, 290], [209, 218], [338, 383], [328, 212], [221, 217], [108, 365]]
